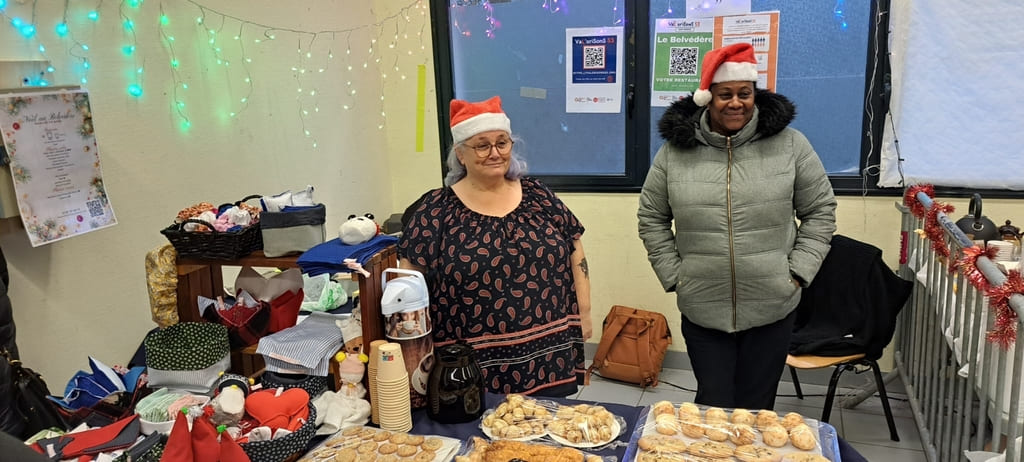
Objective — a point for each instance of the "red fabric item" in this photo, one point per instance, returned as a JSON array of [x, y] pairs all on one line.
[[101, 439], [230, 451], [179, 443], [204, 440], [284, 310], [285, 411]]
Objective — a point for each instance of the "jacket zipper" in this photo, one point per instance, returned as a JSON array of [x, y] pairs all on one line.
[[728, 211]]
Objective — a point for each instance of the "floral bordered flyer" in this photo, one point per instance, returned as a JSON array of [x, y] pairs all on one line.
[[55, 164]]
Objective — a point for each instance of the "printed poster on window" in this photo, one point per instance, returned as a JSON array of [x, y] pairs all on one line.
[[55, 164], [758, 29], [593, 70], [680, 45]]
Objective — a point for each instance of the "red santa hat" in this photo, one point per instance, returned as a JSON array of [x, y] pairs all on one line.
[[469, 119], [727, 64]]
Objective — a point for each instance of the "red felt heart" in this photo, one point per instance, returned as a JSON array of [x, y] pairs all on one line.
[[287, 410]]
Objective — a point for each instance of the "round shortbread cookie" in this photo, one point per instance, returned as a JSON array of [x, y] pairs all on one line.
[[791, 420], [717, 431], [432, 444], [766, 418], [715, 415], [775, 436], [741, 434], [802, 437], [743, 416]]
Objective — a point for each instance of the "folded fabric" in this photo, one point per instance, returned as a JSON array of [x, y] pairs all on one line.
[[307, 344], [118, 435], [85, 389], [335, 411], [329, 257]]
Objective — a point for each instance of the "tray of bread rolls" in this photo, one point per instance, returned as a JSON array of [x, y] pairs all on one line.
[[686, 431]]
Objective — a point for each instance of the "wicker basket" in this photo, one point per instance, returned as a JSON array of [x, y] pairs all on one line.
[[280, 449], [214, 244]]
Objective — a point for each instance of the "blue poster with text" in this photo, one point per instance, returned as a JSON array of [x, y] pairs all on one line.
[[594, 59]]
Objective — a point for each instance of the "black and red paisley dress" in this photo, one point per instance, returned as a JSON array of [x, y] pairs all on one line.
[[504, 285]]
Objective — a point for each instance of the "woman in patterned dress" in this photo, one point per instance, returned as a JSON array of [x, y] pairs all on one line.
[[503, 261]]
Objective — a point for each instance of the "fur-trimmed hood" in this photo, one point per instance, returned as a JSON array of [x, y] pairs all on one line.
[[681, 120]]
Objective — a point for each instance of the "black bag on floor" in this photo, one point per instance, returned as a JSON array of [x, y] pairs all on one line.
[[29, 398]]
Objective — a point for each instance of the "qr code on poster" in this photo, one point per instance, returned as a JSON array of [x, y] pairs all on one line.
[[593, 57], [682, 61], [95, 208]]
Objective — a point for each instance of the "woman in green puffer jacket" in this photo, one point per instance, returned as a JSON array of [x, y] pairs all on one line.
[[753, 215]]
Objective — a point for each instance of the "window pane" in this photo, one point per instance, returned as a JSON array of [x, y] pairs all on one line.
[[523, 60], [821, 69]]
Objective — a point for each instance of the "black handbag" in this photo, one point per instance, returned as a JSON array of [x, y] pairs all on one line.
[[30, 392]]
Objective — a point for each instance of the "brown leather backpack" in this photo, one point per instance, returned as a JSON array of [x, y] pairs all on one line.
[[633, 345]]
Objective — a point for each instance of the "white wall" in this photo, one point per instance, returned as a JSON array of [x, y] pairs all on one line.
[[87, 295]]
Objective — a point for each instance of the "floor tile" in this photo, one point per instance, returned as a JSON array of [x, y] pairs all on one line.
[[885, 454], [607, 391], [872, 429]]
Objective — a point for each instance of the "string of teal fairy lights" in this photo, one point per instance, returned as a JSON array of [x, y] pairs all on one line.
[[214, 23]]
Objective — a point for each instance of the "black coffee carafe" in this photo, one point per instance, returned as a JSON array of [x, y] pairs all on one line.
[[455, 390]]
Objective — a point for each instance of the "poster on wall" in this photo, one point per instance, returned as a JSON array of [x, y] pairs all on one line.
[[593, 70], [759, 29], [55, 164], [680, 45]]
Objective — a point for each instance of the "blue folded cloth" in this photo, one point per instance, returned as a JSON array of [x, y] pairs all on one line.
[[85, 389], [329, 257]]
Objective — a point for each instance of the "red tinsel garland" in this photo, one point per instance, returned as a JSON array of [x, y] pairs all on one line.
[[1004, 333], [968, 264], [910, 198], [933, 230]]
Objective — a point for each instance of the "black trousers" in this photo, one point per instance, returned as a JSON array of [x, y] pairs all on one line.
[[740, 369]]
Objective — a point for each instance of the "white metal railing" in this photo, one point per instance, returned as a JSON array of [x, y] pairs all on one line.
[[965, 391]]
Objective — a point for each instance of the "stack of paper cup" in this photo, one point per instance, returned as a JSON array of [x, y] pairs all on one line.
[[393, 405], [1004, 250], [371, 375]]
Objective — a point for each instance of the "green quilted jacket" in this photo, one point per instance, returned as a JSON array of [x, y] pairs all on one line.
[[730, 222]]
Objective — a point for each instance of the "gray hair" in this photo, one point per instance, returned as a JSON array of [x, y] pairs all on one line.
[[457, 171]]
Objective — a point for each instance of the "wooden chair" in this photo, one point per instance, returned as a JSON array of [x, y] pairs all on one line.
[[841, 363]]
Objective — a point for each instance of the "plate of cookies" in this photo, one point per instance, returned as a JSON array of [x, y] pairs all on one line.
[[584, 426], [359, 443], [673, 432], [517, 418]]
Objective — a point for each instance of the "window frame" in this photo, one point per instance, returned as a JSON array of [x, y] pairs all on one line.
[[636, 81]]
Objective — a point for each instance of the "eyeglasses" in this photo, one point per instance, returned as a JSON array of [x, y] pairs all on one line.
[[484, 150]]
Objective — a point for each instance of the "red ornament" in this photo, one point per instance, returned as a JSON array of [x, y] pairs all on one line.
[[17, 126], [1004, 332], [910, 198]]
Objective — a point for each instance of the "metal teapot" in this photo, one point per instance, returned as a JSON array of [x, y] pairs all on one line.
[[976, 226]]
